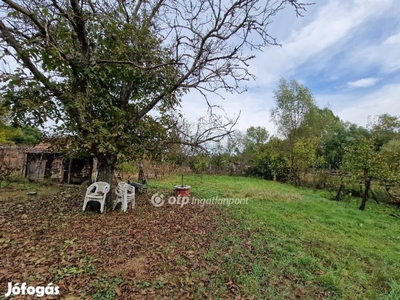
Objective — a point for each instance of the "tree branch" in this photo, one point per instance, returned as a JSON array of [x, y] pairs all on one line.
[[129, 62], [24, 56]]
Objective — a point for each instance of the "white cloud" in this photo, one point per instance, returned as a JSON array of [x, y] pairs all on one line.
[[384, 100], [385, 55], [330, 27], [253, 108], [326, 30], [365, 82]]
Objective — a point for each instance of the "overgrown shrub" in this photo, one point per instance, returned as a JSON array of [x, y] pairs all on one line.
[[270, 167]]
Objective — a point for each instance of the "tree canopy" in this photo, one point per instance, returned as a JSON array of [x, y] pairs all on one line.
[[294, 102], [111, 74]]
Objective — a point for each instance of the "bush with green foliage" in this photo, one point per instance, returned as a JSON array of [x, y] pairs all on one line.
[[25, 135], [270, 166], [30, 136]]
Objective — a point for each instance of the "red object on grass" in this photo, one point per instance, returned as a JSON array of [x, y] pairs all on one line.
[[182, 190]]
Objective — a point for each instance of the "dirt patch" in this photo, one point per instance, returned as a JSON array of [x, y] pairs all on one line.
[[134, 267], [18, 192]]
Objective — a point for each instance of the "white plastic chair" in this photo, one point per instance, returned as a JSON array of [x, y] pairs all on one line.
[[97, 192], [125, 195]]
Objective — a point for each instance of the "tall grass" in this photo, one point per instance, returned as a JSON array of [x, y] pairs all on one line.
[[289, 243]]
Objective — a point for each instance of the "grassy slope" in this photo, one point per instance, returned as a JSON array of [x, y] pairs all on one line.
[[289, 243]]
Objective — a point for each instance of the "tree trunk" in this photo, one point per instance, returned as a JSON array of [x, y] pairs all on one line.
[[141, 178], [373, 195], [338, 198], [298, 178], [292, 178], [367, 186], [105, 168]]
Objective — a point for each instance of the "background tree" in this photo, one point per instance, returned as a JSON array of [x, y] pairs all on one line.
[[305, 156], [364, 164], [255, 138], [337, 138], [29, 136], [384, 127], [234, 143], [269, 161], [113, 72], [391, 182], [294, 102], [8, 134], [253, 141]]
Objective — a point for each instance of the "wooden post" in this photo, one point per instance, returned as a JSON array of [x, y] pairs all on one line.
[[69, 171]]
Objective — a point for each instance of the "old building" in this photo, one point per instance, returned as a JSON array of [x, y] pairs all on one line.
[[43, 162]]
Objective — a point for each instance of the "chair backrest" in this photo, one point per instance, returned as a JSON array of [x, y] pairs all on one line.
[[130, 191], [98, 187], [102, 186], [124, 188], [119, 190]]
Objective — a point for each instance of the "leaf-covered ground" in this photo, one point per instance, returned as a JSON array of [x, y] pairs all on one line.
[[147, 252], [286, 243]]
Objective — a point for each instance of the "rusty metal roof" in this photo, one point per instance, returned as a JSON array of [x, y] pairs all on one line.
[[42, 148]]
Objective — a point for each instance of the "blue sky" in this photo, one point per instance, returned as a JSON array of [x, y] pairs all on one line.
[[347, 52]]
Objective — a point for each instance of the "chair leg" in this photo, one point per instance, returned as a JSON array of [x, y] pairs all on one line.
[[117, 200], [84, 205], [102, 206]]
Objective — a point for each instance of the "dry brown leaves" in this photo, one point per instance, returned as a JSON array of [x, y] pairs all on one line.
[[149, 252]]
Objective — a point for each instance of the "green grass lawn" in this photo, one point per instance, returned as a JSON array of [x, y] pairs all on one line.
[[289, 243]]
